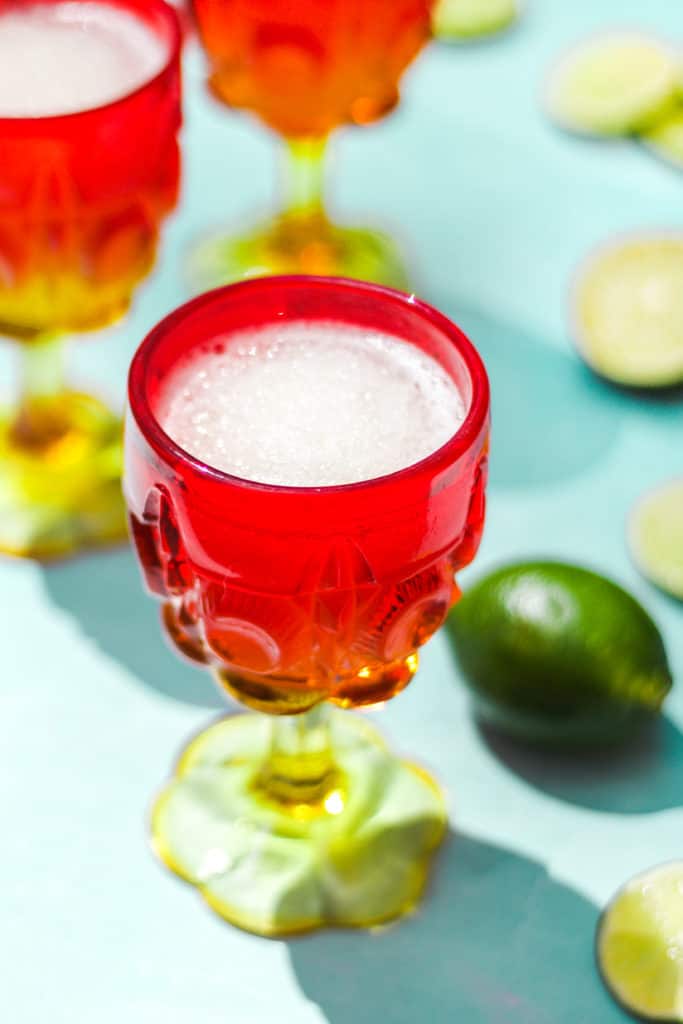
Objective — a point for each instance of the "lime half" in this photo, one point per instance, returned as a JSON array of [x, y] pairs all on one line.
[[612, 84], [656, 536], [665, 137], [640, 944], [628, 311], [471, 19]]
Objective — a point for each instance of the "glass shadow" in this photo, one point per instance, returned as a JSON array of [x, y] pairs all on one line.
[[497, 941], [104, 594]]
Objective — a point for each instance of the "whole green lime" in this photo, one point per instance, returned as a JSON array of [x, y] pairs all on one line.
[[553, 653]]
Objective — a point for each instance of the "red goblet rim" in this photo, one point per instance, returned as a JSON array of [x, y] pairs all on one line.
[[457, 445], [166, 13]]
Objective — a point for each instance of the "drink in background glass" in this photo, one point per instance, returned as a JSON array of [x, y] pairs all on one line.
[[305, 69], [89, 113], [305, 473]]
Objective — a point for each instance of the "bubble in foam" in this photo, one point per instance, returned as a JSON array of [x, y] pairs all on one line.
[[304, 404]]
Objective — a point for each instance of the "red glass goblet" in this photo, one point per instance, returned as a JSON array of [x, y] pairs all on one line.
[[305, 69], [294, 598]]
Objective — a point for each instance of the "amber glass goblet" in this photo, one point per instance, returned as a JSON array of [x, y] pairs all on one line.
[[305, 69]]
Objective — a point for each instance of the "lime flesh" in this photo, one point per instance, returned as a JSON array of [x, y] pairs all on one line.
[[665, 137], [612, 84], [471, 19], [656, 537], [553, 654], [640, 944], [628, 313]]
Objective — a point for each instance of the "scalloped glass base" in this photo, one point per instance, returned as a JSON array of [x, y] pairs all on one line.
[[60, 484], [302, 243], [357, 858]]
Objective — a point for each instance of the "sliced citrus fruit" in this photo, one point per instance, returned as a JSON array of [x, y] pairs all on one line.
[[612, 84], [628, 311], [471, 19], [640, 944], [656, 536]]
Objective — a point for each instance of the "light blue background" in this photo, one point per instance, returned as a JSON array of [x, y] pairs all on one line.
[[498, 210]]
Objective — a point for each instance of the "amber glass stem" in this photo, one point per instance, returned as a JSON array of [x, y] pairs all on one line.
[[42, 379], [300, 767], [305, 176]]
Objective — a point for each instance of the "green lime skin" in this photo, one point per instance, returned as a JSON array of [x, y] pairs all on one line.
[[556, 655]]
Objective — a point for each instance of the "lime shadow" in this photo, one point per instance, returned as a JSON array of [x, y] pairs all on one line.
[[640, 776]]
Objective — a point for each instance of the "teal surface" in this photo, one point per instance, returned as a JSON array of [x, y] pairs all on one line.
[[497, 208]]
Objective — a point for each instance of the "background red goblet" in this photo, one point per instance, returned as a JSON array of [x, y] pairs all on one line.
[[82, 198], [306, 68]]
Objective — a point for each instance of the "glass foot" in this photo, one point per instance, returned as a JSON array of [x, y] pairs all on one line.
[[357, 857], [60, 469], [299, 243]]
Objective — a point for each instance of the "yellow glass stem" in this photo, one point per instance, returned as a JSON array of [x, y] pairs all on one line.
[[39, 418], [300, 239], [60, 462], [299, 768], [305, 176], [43, 366]]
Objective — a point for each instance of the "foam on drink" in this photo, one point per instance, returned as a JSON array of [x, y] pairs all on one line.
[[63, 57], [305, 404]]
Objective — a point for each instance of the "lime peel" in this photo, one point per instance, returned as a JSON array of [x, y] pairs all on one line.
[[655, 536], [640, 944], [612, 84]]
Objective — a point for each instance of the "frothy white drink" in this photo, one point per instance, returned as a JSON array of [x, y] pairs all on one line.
[[63, 57], [311, 405]]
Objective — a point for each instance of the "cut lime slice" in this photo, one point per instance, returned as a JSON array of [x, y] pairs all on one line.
[[640, 944], [628, 311], [471, 19], [612, 84], [665, 137], [656, 537]]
